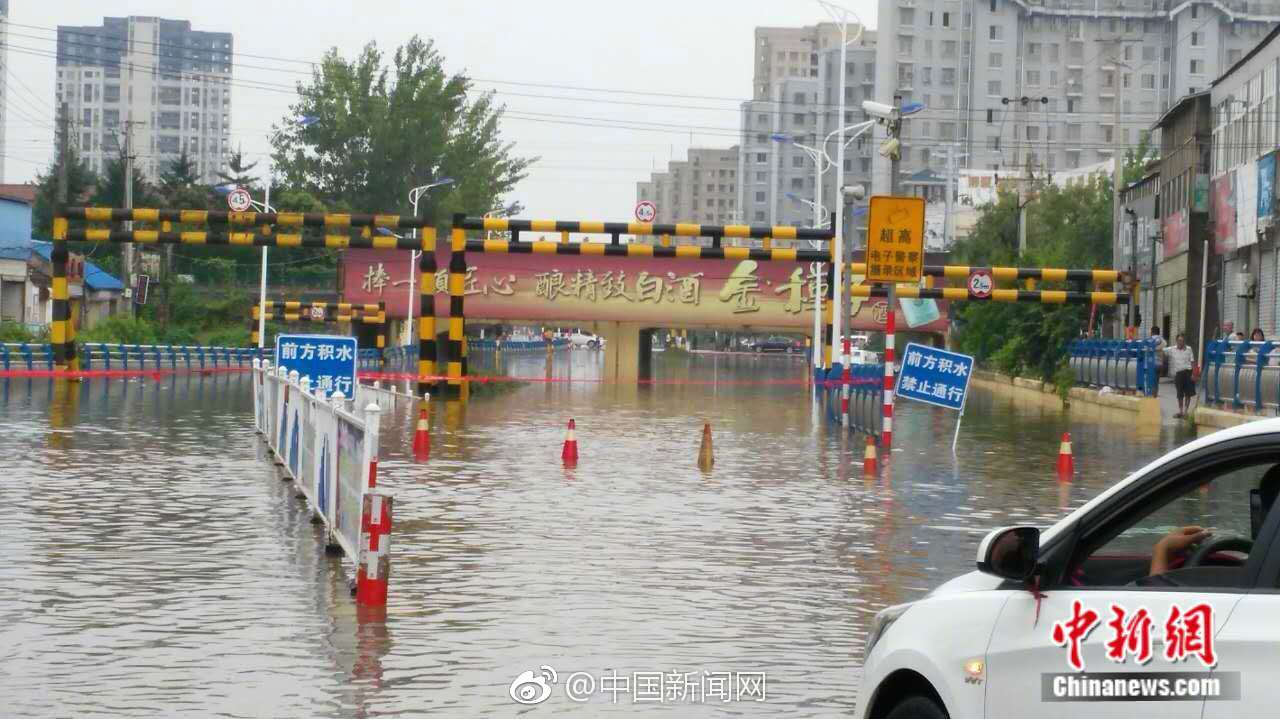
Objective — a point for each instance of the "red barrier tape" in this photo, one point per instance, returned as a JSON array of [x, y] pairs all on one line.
[[116, 373], [802, 382]]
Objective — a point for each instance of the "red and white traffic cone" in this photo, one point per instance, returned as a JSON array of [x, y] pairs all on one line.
[[1066, 463], [570, 452], [869, 457], [422, 438]]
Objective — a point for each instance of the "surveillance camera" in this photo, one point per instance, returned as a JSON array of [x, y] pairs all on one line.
[[853, 193], [878, 110], [891, 148]]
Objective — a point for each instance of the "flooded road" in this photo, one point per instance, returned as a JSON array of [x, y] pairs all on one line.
[[157, 565]]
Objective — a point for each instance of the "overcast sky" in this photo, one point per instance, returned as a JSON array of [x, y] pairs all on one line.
[[698, 48]]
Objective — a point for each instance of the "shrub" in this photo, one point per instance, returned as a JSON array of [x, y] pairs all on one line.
[[122, 329], [15, 332]]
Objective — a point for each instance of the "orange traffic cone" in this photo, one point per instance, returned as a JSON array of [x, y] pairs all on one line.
[[869, 457], [422, 437], [1066, 464], [705, 457], [570, 452]]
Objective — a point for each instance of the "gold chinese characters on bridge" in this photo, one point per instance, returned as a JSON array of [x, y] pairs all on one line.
[[895, 239]]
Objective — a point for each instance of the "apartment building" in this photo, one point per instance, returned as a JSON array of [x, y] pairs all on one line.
[[159, 81], [795, 97], [4, 80], [702, 188], [1096, 75]]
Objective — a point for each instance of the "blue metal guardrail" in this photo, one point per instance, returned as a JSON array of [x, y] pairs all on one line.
[[1240, 374], [866, 397], [105, 355], [1125, 365]]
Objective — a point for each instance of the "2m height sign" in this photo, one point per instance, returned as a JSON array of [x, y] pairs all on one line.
[[329, 360]]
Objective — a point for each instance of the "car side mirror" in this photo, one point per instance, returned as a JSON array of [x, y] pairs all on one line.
[[1010, 553]]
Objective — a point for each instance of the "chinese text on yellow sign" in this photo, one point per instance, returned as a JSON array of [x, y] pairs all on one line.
[[895, 239]]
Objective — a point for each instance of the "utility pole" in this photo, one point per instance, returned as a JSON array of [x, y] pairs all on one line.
[[64, 153], [1117, 145], [128, 203]]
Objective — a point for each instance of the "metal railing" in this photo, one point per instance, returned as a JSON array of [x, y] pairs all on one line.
[[1123, 365], [117, 356], [866, 398], [1241, 374]]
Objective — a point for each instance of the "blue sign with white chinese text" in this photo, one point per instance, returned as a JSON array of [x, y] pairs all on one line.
[[934, 376], [329, 361]]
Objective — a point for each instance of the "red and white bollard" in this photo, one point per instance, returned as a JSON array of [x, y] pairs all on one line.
[[569, 453], [890, 325], [845, 377], [374, 567]]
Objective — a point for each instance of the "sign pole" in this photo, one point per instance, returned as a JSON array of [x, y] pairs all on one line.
[[890, 326], [956, 437]]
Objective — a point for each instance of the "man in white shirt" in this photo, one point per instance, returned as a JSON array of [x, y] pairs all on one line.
[[1180, 362]]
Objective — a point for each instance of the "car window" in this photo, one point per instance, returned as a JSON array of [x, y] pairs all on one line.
[[1225, 503]]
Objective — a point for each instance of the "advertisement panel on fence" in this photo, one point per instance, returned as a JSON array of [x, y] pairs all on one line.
[[568, 288], [329, 360], [351, 483]]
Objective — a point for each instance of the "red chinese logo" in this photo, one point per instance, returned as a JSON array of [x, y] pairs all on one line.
[[1190, 633], [1073, 631], [1129, 635], [1187, 633]]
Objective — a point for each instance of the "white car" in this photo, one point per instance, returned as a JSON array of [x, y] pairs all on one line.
[[1057, 624], [586, 339]]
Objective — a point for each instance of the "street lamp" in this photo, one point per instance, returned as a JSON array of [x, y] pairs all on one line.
[[822, 162], [414, 195]]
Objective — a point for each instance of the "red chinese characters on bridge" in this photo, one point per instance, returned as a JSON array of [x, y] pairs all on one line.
[[1186, 633]]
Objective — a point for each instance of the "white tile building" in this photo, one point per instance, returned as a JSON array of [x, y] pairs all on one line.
[[171, 82]]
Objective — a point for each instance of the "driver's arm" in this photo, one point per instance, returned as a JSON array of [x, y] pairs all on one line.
[[1174, 543]]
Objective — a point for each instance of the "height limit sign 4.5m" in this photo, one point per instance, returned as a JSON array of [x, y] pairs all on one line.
[[895, 239]]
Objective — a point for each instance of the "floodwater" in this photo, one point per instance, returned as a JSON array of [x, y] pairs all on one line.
[[157, 566]]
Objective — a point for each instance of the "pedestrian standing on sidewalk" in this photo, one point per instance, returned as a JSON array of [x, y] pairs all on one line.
[[1181, 360], [1256, 336], [1162, 366]]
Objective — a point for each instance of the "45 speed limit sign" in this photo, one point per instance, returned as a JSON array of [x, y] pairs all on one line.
[[980, 284]]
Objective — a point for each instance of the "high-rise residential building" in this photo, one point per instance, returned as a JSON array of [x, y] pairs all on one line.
[[4, 75], [1106, 70], [702, 188], [155, 81], [795, 99]]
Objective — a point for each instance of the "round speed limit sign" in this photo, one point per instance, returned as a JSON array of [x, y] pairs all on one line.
[[239, 200], [980, 284], [646, 211], [317, 314]]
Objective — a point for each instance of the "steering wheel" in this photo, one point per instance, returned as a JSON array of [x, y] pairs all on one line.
[[1225, 543]]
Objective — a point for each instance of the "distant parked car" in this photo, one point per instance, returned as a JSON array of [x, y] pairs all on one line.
[[778, 344], [586, 339]]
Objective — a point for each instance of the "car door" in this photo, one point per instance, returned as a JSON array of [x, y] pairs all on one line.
[[1249, 644], [1094, 642]]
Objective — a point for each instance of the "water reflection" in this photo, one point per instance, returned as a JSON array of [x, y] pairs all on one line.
[[170, 571]]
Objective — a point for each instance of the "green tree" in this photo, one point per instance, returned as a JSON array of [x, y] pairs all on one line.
[[238, 171], [380, 130], [110, 189], [80, 181]]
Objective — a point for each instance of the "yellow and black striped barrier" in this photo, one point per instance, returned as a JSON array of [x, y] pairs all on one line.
[[679, 229], [603, 249], [279, 219], [457, 327], [1050, 297], [298, 311], [1044, 274], [254, 239]]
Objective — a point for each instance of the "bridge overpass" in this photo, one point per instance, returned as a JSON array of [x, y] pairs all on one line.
[[617, 297]]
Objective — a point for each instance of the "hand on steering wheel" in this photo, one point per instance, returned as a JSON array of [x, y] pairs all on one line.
[[1224, 543]]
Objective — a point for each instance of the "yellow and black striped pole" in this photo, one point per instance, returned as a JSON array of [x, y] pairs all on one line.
[[827, 314], [382, 335], [62, 331], [427, 311], [457, 322]]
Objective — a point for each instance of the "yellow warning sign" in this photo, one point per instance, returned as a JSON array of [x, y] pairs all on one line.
[[895, 239]]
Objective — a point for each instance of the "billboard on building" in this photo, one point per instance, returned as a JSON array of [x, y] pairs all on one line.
[[1266, 187], [1246, 203], [1176, 233], [582, 288], [1223, 192]]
